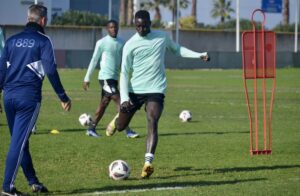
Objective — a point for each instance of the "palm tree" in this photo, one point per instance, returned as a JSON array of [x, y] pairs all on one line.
[[170, 4], [286, 12], [129, 12], [122, 15], [222, 9], [173, 6], [154, 5], [194, 8]]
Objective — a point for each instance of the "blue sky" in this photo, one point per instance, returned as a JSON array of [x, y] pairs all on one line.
[[204, 8]]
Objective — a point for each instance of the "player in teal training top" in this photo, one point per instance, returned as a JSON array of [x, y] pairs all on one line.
[[109, 51], [143, 80]]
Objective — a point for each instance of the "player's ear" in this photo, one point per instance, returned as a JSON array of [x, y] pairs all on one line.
[[43, 21]]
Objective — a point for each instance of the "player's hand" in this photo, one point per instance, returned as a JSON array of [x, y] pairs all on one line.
[[66, 105], [205, 58], [86, 85], [126, 106]]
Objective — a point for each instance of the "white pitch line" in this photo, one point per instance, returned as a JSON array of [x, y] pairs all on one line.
[[136, 190]]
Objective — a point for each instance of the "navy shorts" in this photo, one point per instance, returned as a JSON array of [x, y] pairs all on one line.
[[109, 87]]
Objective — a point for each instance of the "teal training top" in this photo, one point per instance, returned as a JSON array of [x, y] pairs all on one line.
[[143, 69], [109, 51]]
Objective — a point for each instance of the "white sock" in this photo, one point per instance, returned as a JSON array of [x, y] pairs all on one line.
[[149, 158]]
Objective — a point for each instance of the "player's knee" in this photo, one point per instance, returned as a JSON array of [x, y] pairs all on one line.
[[105, 101], [152, 120]]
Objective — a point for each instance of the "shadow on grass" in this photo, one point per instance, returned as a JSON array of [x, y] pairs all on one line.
[[236, 169], [154, 186], [203, 133]]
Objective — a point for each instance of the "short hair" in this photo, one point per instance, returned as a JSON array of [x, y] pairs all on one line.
[[36, 12], [112, 21], [143, 14]]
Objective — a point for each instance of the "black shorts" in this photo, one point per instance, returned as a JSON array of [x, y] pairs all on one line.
[[139, 99], [109, 87]]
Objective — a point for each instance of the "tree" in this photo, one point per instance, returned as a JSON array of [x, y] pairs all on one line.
[[194, 8], [222, 9], [170, 4], [173, 7], [122, 15], [80, 18], [155, 5], [129, 12], [286, 12]]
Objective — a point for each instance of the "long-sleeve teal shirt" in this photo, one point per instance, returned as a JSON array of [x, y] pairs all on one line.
[[143, 69], [109, 51]]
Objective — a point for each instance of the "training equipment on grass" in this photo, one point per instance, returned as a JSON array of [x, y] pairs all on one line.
[[185, 116], [54, 131], [85, 119], [259, 68], [119, 170]]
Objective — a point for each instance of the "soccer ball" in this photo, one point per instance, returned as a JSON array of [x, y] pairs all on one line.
[[119, 170], [185, 116], [85, 119]]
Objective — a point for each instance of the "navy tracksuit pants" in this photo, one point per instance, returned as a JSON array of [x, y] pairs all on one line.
[[21, 117]]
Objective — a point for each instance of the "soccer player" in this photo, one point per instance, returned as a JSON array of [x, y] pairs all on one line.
[[27, 57], [143, 80], [109, 51]]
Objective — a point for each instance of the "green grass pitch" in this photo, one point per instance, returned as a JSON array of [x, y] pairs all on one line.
[[208, 156]]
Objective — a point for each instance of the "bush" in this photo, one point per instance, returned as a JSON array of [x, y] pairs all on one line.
[[188, 22], [285, 28], [80, 18]]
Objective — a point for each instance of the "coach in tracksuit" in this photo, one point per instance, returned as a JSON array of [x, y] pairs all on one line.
[[27, 57]]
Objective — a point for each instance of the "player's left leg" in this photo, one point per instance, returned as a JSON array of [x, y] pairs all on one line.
[[91, 131], [23, 115], [108, 89], [128, 131], [154, 110]]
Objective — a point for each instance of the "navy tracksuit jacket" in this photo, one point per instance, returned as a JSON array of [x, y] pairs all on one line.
[[26, 59]]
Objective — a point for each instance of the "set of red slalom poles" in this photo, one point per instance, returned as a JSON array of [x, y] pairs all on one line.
[[259, 66]]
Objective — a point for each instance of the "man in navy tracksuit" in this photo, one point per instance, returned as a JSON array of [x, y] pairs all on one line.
[[27, 57]]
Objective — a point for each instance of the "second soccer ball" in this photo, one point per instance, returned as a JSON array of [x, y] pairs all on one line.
[[85, 119], [185, 116]]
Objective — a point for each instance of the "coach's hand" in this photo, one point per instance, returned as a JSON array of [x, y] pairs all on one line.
[[66, 105], [205, 58], [86, 85], [126, 106]]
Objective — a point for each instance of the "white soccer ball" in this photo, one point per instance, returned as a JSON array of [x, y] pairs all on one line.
[[119, 170], [85, 119], [185, 116]]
